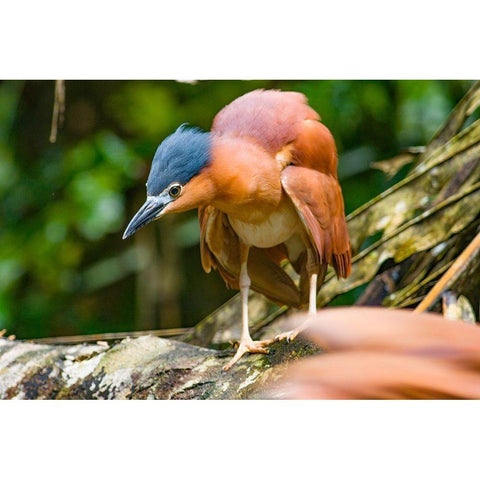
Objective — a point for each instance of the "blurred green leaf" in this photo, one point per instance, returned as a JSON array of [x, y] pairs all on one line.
[[145, 109]]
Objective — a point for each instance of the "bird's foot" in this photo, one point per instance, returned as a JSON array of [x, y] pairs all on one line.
[[247, 345], [288, 336]]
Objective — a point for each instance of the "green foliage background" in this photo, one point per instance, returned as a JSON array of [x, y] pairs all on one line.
[[63, 207]]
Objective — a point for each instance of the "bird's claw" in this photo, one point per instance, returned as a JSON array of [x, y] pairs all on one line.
[[245, 346], [288, 336]]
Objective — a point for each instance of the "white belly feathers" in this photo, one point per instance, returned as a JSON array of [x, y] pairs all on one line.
[[281, 225]]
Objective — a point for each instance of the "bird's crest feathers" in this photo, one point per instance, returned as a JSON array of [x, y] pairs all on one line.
[[180, 157]]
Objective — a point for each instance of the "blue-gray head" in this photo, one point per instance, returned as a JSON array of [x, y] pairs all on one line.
[[179, 158]]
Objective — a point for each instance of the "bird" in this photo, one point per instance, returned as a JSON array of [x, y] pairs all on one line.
[[264, 181]]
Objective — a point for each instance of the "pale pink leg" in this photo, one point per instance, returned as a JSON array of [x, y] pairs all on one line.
[[246, 342], [312, 309]]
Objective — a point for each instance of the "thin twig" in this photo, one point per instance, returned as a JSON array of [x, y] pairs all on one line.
[[58, 109], [459, 266], [170, 332]]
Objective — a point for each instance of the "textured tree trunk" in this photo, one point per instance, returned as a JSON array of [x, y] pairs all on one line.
[[147, 367]]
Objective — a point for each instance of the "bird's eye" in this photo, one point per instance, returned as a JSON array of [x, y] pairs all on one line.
[[175, 190]]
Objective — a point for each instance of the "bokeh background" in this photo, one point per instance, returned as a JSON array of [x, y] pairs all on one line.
[[64, 268]]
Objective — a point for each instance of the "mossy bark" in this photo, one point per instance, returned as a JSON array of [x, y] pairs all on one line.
[[143, 368]]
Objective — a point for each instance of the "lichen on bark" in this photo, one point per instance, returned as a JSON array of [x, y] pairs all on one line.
[[143, 368]]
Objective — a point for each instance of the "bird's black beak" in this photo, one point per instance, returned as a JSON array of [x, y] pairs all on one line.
[[150, 210]]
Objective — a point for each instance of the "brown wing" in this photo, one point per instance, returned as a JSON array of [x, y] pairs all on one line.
[[271, 118], [311, 183], [314, 147], [219, 247], [318, 199]]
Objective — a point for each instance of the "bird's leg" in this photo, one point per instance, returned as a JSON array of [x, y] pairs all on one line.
[[246, 342], [312, 308], [312, 302], [312, 270]]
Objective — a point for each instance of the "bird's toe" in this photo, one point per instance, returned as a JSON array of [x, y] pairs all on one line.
[[247, 346]]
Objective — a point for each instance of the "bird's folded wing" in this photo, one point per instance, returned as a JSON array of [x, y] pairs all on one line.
[[219, 249], [318, 199]]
